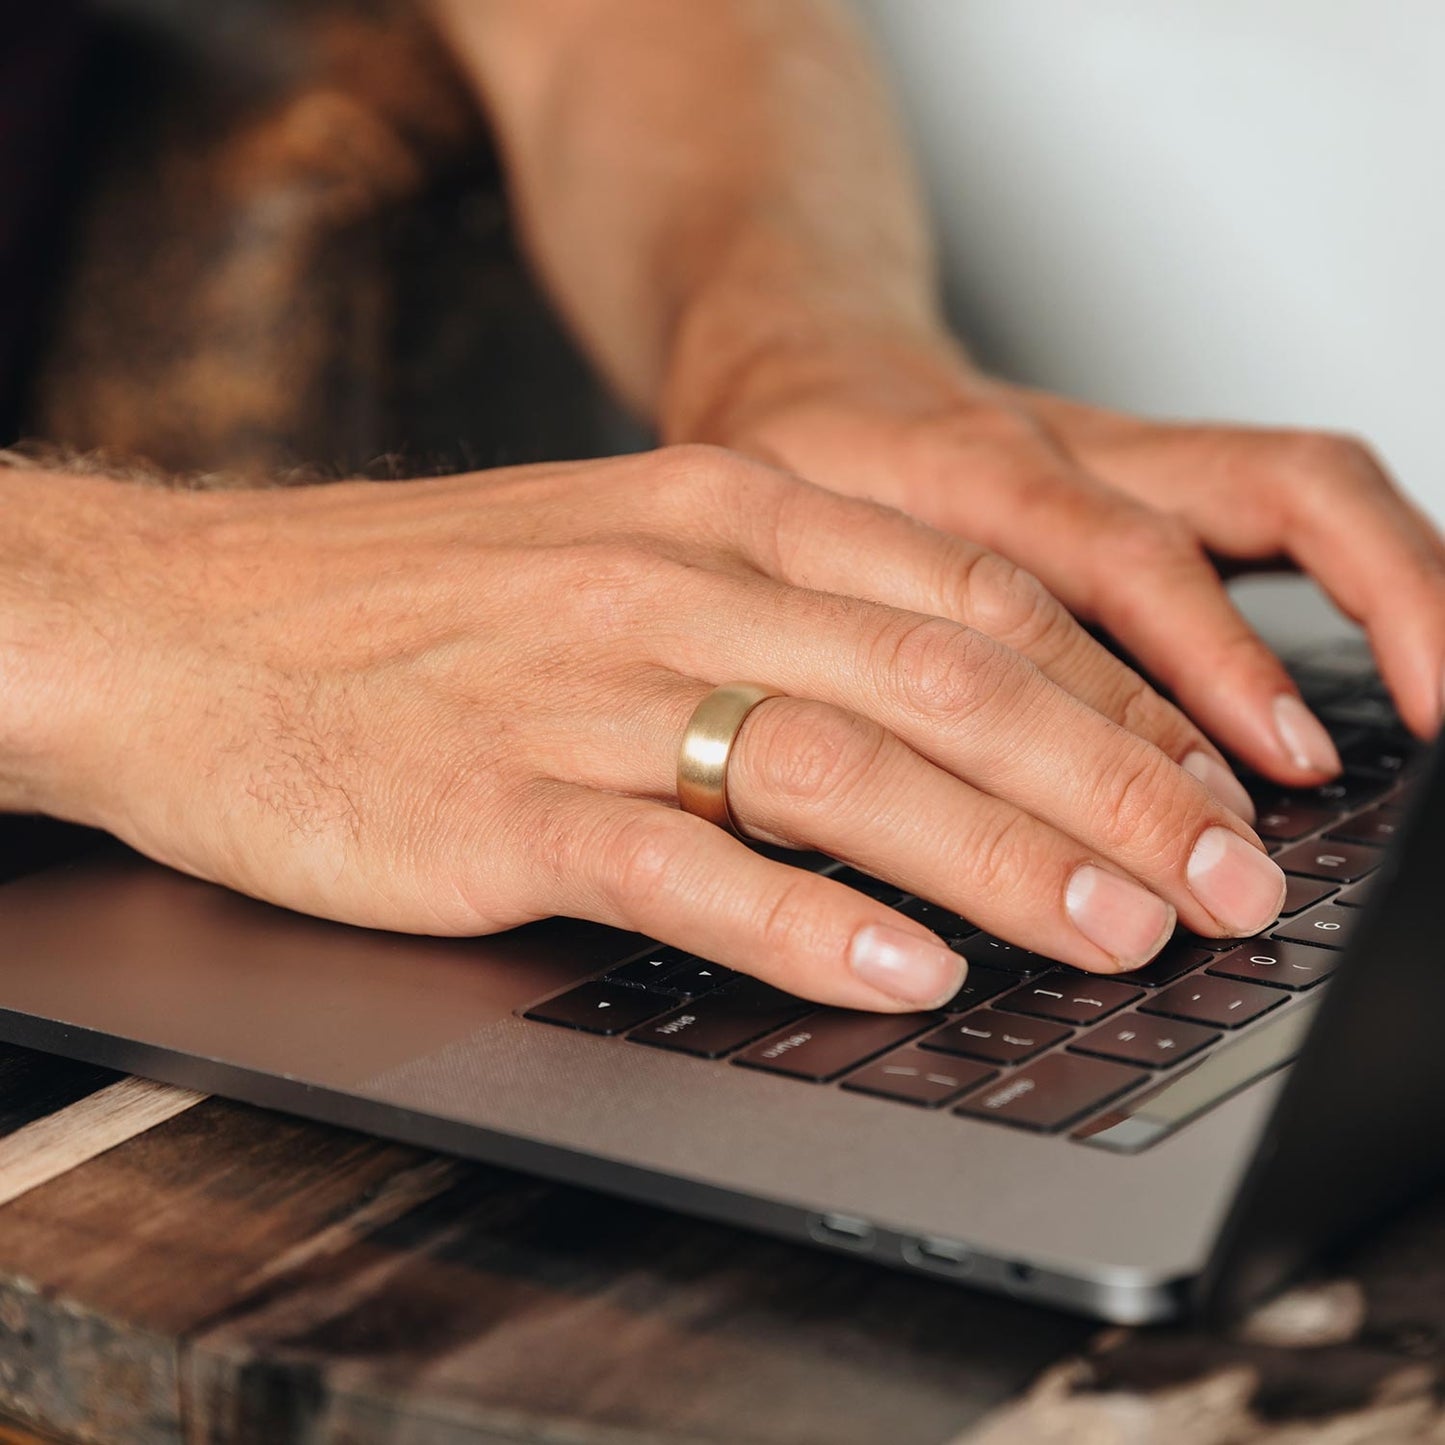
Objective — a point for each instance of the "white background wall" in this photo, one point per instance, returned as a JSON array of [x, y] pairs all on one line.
[[1228, 208]]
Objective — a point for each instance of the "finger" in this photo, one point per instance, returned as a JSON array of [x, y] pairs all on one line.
[[1324, 500], [1376, 556], [642, 866], [1145, 577], [878, 553], [812, 776]]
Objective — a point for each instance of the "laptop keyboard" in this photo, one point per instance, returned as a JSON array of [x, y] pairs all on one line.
[[1032, 1044]]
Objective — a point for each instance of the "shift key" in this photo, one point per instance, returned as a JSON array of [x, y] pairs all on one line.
[[1051, 1093], [721, 1022]]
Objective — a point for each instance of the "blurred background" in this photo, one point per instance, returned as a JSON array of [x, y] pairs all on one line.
[[1205, 208]]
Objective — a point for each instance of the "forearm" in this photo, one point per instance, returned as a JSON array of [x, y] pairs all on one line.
[[704, 186]]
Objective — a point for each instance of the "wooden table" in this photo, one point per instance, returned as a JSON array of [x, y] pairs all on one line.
[[175, 1268]]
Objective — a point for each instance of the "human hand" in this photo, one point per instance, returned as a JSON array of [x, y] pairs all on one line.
[[1128, 522], [455, 705]]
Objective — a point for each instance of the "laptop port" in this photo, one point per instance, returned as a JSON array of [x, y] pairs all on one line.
[[1021, 1275], [842, 1231], [938, 1256]]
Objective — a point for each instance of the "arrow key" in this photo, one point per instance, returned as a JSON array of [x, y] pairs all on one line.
[[601, 1008]]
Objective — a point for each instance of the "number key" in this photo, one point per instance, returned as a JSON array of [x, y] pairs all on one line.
[[1280, 965]]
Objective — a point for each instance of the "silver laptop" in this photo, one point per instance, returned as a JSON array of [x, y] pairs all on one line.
[[1186, 1137]]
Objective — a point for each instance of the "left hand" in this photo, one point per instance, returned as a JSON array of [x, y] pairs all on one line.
[[1129, 522]]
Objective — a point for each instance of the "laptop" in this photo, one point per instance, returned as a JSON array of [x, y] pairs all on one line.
[[1184, 1138]]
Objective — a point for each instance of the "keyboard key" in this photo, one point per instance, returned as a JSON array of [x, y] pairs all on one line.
[[651, 967], [723, 1021], [995, 1038], [1223, 1002], [1376, 827], [1335, 862], [915, 1077], [1051, 1093], [698, 977], [600, 1008], [1173, 961], [1328, 926], [1287, 822], [1381, 758], [979, 986], [994, 952], [1136, 1038], [1281, 965], [1070, 998], [1302, 893], [952, 929], [829, 1043], [888, 893], [1347, 793], [1357, 895]]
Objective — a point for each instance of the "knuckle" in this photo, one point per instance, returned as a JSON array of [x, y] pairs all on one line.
[[998, 856], [796, 925], [1141, 710], [1010, 605], [640, 859], [808, 755], [1139, 806], [1317, 454], [1147, 540], [940, 669]]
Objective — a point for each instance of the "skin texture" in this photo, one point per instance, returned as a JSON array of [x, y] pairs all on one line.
[[455, 705], [312, 699]]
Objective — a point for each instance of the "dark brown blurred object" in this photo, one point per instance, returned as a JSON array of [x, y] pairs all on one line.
[[291, 249]]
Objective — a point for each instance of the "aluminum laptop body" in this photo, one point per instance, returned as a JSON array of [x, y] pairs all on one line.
[[1212, 1191]]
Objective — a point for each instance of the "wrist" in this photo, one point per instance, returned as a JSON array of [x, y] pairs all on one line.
[[732, 367]]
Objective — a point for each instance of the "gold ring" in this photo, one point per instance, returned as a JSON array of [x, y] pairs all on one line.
[[707, 744]]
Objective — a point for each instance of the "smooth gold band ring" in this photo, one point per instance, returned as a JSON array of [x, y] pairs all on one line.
[[707, 744]]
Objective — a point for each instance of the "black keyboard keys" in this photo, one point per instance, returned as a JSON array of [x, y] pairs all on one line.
[[952, 929], [1073, 998], [829, 1043], [721, 1022], [1376, 827], [1173, 961], [1328, 926], [1287, 822], [1334, 862], [651, 967], [1280, 965], [1223, 1002], [1051, 1093], [1136, 1038], [996, 1038], [695, 978], [1302, 893], [980, 985], [914, 1077], [995, 952], [600, 1008]]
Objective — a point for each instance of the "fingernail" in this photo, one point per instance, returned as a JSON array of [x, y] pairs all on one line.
[[1304, 737], [906, 967], [1128, 922], [1226, 788], [1242, 887]]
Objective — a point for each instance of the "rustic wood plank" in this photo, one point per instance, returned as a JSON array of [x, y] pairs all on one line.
[[508, 1309], [46, 1148], [107, 1268]]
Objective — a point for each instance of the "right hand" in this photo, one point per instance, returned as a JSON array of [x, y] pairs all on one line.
[[453, 706]]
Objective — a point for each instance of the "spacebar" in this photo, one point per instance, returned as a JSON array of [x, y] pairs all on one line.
[[1148, 1117]]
